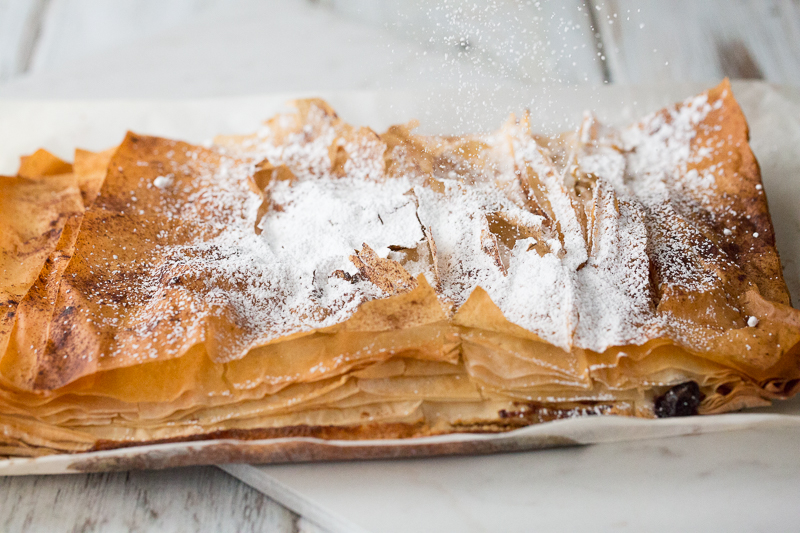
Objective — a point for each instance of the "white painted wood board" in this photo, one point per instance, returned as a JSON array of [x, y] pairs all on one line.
[[19, 31], [239, 48], [197, 499], [506, 39], [652, 41], [93, 48], [74, 29]]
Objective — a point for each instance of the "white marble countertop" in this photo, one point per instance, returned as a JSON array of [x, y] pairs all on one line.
[[745, 480]]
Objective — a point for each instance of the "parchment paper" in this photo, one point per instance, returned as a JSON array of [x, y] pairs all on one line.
[[773, 114]]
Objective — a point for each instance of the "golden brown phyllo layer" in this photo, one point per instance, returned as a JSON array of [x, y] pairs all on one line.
[[321, 279]]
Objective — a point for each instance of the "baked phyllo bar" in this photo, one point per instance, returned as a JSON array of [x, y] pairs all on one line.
[[319, 279]]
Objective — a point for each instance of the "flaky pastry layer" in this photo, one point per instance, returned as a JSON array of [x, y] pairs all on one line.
[[320, 279]]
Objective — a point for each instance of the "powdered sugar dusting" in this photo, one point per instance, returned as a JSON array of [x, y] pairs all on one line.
[[319, 225], [564, 249]]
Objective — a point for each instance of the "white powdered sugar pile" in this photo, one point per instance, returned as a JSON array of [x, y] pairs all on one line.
[[320, 225]]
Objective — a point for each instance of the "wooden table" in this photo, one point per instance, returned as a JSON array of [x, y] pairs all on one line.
[[92, 48], [197, 48], [181, 499]]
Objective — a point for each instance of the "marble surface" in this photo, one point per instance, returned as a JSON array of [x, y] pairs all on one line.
[[734, 481]]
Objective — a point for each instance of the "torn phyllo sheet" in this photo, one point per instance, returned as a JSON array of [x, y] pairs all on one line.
[[318, 279]]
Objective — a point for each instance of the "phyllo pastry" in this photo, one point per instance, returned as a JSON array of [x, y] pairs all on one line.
[[319, 279]]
